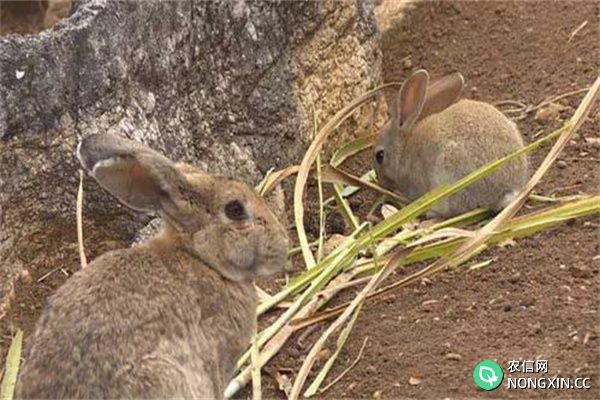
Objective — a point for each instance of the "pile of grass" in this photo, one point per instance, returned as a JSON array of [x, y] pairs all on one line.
[[372, 252]]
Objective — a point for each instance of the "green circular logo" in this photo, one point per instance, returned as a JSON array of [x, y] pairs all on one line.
[[488, 375]]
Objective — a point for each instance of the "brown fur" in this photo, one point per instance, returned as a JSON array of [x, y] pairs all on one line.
[[424, 153], [168, 318]]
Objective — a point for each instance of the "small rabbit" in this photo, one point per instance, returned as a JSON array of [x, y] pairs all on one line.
[[434, 139], [168, 318]]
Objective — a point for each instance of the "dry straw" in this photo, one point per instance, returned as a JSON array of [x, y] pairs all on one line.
[[13, 360], [79, 211]]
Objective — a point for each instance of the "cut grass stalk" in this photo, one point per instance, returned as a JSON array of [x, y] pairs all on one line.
[[351, 148], [554, 199], [255, 367], [333, 267], [344, 207], [316, 384], [276, 343], [336, 176], [351, 190], [480, 265], [297, 250], [358, 300], [309, 158], [11, 370], [300, 282], [272, 179], [320, 190], [344, 372], [260, 188], [79, 219], [519, 227]]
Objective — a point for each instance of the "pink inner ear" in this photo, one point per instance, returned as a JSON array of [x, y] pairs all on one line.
[[412, 98], [139, 177]]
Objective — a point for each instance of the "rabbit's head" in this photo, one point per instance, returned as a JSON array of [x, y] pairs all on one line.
[[220, 221], [415, 102]]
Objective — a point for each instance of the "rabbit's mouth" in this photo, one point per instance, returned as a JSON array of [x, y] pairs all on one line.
[[244, 226]]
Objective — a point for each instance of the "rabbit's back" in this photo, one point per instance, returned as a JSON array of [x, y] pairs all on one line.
[[449, 145], [475, 124], [135, 323]]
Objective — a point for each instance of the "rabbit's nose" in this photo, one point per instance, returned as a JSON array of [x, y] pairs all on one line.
[[384, 181]]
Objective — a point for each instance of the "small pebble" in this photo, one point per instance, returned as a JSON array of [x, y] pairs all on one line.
[[514, 278], [549, 112], [26, 276], [414, 381], [453, 357], [593, 142], [561, 164]]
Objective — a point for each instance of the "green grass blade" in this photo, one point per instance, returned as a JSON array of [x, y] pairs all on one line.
[[344, 334], [13, 360], [320, 190], [344, 207], [309, 158], [321, 277], [351, 148]]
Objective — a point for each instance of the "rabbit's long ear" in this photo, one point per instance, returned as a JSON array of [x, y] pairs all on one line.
[[442, 93], [411, 99], [138, 176]]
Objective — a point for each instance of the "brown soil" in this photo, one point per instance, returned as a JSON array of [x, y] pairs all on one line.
[[539, 298]]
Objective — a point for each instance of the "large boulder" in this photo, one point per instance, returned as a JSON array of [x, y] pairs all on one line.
[[227, 85]]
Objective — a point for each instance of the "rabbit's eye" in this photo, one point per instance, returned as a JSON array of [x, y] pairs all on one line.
[[235, 211], [379, 156]]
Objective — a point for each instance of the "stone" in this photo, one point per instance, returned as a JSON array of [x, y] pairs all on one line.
[[549, 112], [453, 357], [414, 381], [226, 85]]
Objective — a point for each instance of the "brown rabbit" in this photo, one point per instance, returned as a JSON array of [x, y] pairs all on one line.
[[170, 317], [433, 139]]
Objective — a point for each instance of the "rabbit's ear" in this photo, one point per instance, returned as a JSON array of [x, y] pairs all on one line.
[[137, 175], [442, 93], [411, 99]]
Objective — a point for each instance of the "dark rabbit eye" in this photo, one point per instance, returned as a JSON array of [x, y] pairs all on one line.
[[235, 211], [379, 156]]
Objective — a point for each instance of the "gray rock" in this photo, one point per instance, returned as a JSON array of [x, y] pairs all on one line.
[[226, 85]]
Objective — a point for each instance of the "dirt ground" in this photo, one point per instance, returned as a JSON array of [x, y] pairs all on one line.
[[539, 298]]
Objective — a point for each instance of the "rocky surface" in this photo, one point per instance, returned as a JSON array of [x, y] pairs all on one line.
[[227, 85]]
